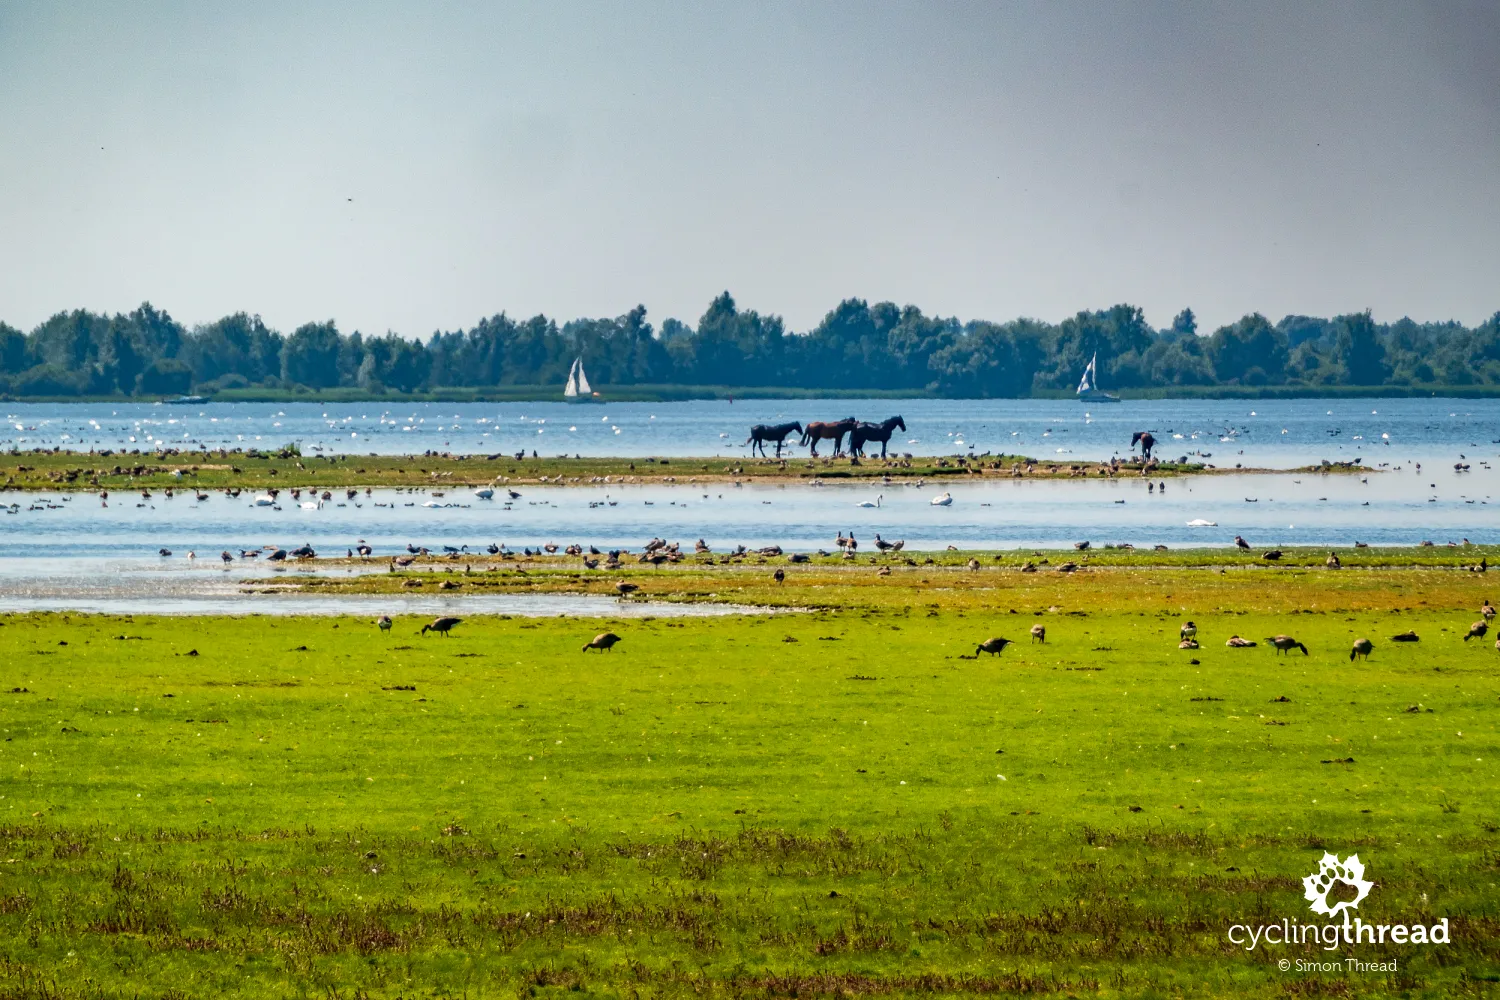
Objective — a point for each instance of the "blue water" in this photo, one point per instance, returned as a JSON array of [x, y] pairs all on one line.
[[73, 551], [1257, 433]]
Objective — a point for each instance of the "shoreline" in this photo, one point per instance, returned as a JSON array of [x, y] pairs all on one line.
[[286, 469]]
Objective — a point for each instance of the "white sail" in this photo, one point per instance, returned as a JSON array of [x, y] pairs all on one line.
[[1090, 380], [583, 380], [572, 389]]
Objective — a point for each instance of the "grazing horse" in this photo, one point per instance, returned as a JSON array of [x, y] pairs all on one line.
[[881, 432], [1147, 443], [761, 433], [834, 431]]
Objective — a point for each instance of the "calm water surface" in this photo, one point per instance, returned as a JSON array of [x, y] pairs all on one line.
[[73, 551], [1259, 433]]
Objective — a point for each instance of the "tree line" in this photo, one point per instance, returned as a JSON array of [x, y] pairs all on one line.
[[857, 346]]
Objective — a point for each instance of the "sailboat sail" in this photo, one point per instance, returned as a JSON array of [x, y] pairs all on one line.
[[572, 388], [1090, 380], [583, 380]]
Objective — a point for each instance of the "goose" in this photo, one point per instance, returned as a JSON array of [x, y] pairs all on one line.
[[1235, 642], [1285, 644], [866, 503], [1487, 610], [1361, 647], [1188, 630], [513, 494], [994, 646], [1407, 636], [626, 589], [942, 500], [384, 621], [1477, 630], [442, 625], [1332, 562], [604, 641], [1188, 644], [1039, 633]]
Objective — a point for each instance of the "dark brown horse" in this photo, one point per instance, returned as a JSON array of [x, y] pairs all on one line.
[[761, 433], [1147, 443], [834, 431], [881, 432]]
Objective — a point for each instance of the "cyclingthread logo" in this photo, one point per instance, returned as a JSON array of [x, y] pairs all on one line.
[[1332, 871]]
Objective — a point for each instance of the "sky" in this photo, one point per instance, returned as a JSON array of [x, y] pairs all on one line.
[[412, 167]]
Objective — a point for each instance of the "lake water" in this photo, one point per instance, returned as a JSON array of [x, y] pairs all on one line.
[[72, 551], [1256, 433]]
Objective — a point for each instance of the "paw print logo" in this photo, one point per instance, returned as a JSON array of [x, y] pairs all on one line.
[[1332, 871]]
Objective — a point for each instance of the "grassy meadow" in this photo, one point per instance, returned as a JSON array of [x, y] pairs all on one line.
[[289, 469], [838, 800]]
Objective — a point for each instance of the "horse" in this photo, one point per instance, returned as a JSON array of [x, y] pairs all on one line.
[[1147, 443], [881, 432], [833, 431], [761, 433]]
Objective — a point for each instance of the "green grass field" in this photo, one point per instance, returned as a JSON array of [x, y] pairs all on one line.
[[839, 801]]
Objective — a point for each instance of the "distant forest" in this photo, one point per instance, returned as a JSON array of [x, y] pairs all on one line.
[[857, 346]]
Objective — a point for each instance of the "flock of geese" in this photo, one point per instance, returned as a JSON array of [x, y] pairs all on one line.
[[604, 641], [1188, 638]]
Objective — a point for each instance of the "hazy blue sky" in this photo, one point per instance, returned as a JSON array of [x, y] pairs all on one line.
[[419, 165]]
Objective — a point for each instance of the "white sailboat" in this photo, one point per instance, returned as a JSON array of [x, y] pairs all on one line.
[[1088, 386], [578, 389]]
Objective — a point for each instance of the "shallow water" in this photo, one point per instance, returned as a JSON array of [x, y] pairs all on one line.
[[76, 534], [139, 587], [1256, 433]]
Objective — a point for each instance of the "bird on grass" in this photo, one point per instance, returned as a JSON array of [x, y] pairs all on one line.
[[1188, 630], [1241, 543], [626, 589], [779, 576], [1477, 630], [992, 646], [1487, 611], [384, 621], [1285, 644], [1332, 562], [1039, 632], [1408, 636], [1362, 647], [1235, 642], [1272, 555], [1188, 644], [603, 641], [442, 625]]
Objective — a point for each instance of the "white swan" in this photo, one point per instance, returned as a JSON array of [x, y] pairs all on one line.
[[265, 501], [866, 503], [1199, 522], [943, 500], [484, 494]]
